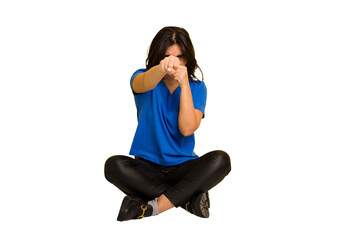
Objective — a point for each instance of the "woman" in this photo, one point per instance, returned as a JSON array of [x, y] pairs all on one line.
[[170, 102]]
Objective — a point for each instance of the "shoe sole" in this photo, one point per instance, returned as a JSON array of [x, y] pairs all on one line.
[[201, 206], [204, 205]]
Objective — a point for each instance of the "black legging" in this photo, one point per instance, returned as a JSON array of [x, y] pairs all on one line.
[[147, 180]]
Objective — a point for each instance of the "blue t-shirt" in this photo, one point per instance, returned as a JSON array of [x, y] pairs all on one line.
[[157, 137]]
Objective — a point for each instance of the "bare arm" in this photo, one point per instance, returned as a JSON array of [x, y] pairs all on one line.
[[189, 117], [148, 80]]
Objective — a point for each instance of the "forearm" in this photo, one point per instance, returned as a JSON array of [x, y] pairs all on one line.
[[153, 76], [188, 120], [149, 80]]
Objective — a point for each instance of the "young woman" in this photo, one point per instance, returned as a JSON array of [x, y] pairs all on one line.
[[170, 102]]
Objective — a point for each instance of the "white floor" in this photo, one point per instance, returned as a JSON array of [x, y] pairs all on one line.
[[283, 101]]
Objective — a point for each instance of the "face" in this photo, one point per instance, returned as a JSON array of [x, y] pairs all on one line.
[[175, 50]]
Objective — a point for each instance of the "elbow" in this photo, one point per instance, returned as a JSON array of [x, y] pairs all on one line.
[[187, 128], [187, 133]]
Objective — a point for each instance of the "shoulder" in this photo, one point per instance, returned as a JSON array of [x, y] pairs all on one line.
[[141, 70], [197, 85], [137, 72]]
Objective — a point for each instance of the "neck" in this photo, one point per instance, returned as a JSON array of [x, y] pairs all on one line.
[[169, 81]]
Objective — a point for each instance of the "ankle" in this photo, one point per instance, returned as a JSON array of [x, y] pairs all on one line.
[[164, 203], [155, 207]]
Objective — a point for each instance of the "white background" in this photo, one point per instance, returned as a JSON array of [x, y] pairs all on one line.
[[283, 101]]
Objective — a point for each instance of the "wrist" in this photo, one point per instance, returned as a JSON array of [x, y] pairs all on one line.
[[184, 84], [160, 69]]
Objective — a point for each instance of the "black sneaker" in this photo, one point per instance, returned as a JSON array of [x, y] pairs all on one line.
[[199, 205], [134, 208]]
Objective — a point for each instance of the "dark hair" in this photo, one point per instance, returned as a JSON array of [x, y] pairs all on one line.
[[164, 39]]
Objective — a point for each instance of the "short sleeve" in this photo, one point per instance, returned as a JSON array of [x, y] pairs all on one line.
[[199, 97], [142, 70]]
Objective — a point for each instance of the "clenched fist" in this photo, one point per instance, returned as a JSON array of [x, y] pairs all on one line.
[[181, 75], [169, 64], [172, 66]]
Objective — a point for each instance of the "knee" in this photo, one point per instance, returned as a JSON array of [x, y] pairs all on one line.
[[222, 160], [114, 166]]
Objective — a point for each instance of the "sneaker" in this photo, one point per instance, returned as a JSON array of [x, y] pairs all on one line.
[[134, 208], [199, 205]]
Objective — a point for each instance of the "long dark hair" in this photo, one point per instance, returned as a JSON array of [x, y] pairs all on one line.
[[164, 39]]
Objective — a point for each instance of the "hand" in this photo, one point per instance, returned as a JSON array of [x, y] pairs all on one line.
[[169, 64], [181, 76]]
